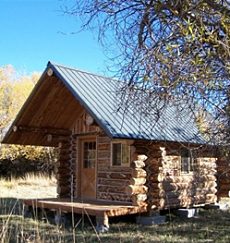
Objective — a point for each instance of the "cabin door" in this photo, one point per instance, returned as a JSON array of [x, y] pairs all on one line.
[[88, 169]]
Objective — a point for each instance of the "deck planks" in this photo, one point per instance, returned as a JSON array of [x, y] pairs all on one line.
[[93, 208]]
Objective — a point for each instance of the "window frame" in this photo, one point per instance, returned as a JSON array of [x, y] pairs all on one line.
[[186, 154], [89, 163], [122, 164]]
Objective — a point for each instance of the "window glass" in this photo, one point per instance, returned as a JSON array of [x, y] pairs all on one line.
[[187, 161], [117, 154], [125, 154], [120, 154], [89, 154]]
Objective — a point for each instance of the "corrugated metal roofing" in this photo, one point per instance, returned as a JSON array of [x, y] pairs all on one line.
[[98, 95]]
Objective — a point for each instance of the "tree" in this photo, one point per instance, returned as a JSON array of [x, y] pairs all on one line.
[[167, 51], [14, 90]]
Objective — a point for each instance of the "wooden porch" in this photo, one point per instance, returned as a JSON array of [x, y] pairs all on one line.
[[100, 209]]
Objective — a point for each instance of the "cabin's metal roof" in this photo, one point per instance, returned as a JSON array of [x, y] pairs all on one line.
[[98, 95]]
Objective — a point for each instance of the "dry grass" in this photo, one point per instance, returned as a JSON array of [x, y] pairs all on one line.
[[31, 186], [211, 226]]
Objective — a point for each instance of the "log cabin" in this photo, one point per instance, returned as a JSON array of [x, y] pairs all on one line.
[[113, 161]]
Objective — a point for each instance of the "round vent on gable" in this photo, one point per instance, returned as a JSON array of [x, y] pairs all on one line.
[[50, 72], [89, 120]]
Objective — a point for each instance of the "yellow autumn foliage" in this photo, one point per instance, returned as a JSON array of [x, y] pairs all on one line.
[[14, 90]]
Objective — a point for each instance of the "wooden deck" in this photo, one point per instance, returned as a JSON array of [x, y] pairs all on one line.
[[93, 208]]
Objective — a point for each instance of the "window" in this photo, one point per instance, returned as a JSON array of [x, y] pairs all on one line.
[[187, 161], [89, 154], [120, 154]]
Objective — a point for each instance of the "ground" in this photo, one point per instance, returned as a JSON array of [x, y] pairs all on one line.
[[210, 226]]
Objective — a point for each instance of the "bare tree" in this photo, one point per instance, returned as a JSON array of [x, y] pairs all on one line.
[[168, 51]]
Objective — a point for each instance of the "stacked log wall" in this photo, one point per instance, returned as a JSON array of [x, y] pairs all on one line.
[[223, 177], [66, 176], [179, 189], [168, 187], [137, 188], [112, 181]]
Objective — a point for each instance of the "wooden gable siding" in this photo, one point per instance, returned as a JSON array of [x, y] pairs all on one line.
[[81, 127], [168, 187], [50, 106]]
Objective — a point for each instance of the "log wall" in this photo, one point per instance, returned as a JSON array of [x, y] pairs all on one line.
[[152, 166], [223, 177], [186, 189], [66, 176], [168, 187], [112, 181], [137, 188]]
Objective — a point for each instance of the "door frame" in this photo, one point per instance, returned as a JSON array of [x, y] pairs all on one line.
[[80, 152]]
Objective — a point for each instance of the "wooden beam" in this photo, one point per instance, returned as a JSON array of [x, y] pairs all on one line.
[[43, 130], [87, 134]]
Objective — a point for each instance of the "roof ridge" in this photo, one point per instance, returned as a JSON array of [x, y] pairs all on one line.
[[79, 70]]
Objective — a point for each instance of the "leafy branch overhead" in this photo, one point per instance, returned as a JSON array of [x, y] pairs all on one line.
[[172, 50]]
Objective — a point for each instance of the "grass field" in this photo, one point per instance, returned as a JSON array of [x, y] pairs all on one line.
[[210, 226]]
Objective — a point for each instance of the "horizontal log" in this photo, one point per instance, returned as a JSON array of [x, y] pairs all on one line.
[[103, 139], [114, 169], [169, 195], [43, 130], [134, 190], [65, 178], [164, 204], [111, 188], [224, 187], [137, 164], [140, 197], [114, 175], [103, 154], [210, 198], [137, 181], [225, 181], [66, 163], [139, 200], [138, 172], [104, 146], [223, 194], [212, 190], [63, 190], [141, 157], [153, 191], [65, 157], [210, 177], [102, 181], [114, 197]]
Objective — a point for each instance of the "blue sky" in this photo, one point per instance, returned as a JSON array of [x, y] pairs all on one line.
[[36, 31]]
